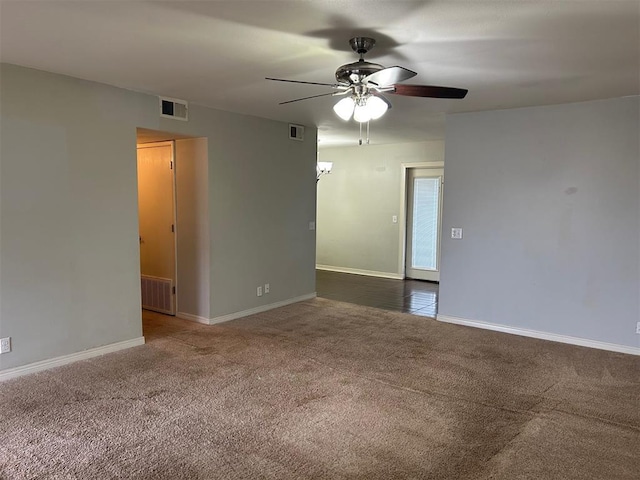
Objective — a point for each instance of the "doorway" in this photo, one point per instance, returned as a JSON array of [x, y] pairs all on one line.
[[423, 225], [157, 226]]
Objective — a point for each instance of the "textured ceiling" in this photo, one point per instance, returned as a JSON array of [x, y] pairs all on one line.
[[508, 53]]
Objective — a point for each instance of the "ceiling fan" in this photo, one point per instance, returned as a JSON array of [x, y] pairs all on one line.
[[363, 84]]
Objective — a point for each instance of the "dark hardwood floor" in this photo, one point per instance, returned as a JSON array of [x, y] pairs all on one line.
[[408, 296]]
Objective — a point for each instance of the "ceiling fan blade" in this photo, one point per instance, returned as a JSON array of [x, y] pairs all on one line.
[[312, 96], [429, 91], [389, 76], [332, 85]]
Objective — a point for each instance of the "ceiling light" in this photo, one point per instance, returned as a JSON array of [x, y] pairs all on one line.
[[376, 106], [361, 113], [368, 108], [344, 108], [363, 108]]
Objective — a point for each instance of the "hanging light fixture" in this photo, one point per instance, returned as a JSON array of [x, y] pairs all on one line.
[[322, 168]]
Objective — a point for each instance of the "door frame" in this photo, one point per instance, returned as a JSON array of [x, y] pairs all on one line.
[[402, 220], [172, 144]]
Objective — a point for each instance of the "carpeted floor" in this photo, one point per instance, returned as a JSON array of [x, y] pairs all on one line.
[[323, 389]]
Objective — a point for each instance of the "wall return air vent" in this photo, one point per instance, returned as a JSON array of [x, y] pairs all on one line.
[[174, 108], [296, 132]]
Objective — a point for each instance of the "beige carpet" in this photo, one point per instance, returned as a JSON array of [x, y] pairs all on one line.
[[323, 389]]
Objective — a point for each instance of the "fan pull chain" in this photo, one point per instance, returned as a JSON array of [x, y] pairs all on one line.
[[360, 139]]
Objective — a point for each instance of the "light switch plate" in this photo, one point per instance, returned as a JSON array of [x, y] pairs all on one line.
[[312, 225], [456, 233]]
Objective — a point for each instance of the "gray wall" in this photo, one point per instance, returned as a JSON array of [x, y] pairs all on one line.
[[549, 200], [262, 198], [192, 232], [357, 201], [69, 242]]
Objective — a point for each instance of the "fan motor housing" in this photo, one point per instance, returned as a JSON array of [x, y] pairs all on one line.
[[353, 73]]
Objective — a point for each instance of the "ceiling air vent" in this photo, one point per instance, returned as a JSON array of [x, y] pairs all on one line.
[[174, 108], [296, 132]]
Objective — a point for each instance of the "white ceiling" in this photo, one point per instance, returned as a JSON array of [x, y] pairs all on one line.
[[508, 53]]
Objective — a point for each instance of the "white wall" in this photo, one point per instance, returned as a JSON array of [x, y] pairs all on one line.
[[356, 203], [549, 200], [69, 277], [192, 232]]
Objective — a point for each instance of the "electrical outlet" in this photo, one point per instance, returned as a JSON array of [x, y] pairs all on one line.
[[259, 291], [312, 225], [5, 345], [456, 233], [638, 328], [266, 288]]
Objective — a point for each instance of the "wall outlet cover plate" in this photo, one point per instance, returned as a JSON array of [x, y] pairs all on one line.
[[5, 345]]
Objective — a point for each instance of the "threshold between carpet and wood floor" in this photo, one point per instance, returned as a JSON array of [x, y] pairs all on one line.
[[324, 389]]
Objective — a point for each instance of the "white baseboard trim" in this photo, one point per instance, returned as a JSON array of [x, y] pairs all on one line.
[[192, 318], [357, 271], [66, 359], [554, 337], [260, 309]]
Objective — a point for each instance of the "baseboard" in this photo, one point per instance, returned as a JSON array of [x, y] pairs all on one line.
[[554, 337], [192, 318], [357, 271], [260, 309], [66, 359]]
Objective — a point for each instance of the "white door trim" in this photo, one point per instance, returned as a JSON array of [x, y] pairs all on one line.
[[402, 220]]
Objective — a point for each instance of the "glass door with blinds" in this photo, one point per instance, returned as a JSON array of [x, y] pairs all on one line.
[[424, 210]]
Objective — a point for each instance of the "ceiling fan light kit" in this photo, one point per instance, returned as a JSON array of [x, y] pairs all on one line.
[[365, 82]]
